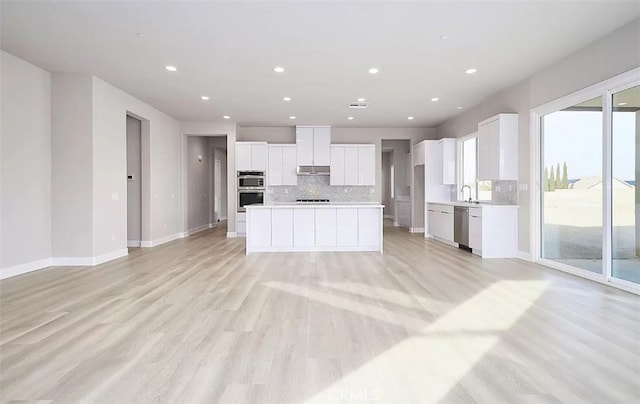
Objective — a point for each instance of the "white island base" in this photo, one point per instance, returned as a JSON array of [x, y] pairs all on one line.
[[326, 227]]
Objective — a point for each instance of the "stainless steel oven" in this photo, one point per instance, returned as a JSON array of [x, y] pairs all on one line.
[[250, 197], [251, 189], [251, 180]]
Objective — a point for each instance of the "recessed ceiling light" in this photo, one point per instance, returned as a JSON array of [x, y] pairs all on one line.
[[459, 107], [140, 34], [374, 70], [410, 118], [362, 99], [434, 99], [286, 98], [292, 117], [204, 98], [278, 69], [471, 71], [350, 118], [171, 68], [226, 116], [443, 37], [622, 103]]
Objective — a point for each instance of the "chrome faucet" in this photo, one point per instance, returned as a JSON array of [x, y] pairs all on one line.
[[462, 190]]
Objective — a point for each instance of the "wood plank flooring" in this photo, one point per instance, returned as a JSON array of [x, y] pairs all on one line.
[[197, 321]]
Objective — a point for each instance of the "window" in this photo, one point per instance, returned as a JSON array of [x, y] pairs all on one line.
[[469, 168]]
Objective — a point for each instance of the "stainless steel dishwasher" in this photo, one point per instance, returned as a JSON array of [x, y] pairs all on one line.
[[461, 225]]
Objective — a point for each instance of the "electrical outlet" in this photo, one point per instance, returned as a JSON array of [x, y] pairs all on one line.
[[497, 188], [115, 196], [523, 187], [173, 196], [156, 196], [372, 190], [286, 190], [165, 225], [113, 237]]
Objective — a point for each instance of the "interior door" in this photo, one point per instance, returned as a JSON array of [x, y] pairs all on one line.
[[217, 189]]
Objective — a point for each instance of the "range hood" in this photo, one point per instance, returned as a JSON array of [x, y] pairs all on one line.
[[313, 170]]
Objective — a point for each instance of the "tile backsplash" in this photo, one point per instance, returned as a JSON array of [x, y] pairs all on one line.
[[504, 192], [317, 187]]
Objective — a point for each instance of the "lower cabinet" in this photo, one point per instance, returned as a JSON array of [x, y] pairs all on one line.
[[440, 221], [304, 234], [347, 227], [282, 231], [324, 228], [475, 229], [493, 231], [326, 235]]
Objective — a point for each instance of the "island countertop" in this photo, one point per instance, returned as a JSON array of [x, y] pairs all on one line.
[[471, 204], [294, 205]]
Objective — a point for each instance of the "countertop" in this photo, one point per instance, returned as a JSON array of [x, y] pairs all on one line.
[[280, 205], [473, 204]]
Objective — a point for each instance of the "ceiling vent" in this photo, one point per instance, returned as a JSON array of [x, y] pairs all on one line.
[[358, 105]]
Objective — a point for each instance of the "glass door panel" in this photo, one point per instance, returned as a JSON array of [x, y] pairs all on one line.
[[572, 193], [625, 196]]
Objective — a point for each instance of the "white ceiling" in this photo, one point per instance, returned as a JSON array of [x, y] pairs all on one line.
[[227, 50]]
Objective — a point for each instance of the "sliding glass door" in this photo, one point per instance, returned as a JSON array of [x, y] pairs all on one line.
[[572, 186], [625, 197], [589, 164]]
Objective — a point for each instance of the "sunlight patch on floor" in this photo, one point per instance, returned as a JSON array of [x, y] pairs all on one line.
[[425, 368]]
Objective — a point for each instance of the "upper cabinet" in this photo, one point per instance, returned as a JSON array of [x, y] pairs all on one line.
[[251, 156], [447, 161], [313, 145], [282, 165], [498, 148], [353, 164]]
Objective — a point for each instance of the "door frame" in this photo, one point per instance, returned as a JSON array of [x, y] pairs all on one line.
[[604, 89]]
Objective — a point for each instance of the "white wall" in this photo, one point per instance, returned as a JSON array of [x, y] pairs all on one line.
[[220, 154], [72, 165], [110, 107], [25, 163], [616, 53], [227, 129], [198, 175]]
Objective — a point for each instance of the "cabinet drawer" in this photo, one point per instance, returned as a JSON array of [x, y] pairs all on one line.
[[475, 211]]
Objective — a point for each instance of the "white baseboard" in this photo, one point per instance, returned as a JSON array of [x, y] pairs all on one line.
[[61, 262], [199, 229], [388, 217], [133, 243], [20, 269], [523, 255], [162, 240], [232, 234], [222, 218], [88, 261], [396, 224], [416, 229]]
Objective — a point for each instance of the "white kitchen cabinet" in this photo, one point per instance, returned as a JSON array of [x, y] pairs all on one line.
[[475, 229], [313, 145], [447, 161], [314, 228], [241, 224], [369, 233], [282, 165], [260, 229], [347, 227], [367, 165], [419, 153], [304, 227], [353, 165], [326, 223], [498, 148], [403, 212], [274, 170], [336, 175], [251, 156], [282, 227], [440, 221]]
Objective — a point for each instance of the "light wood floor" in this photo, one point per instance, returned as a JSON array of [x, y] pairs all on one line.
[[198, 321]]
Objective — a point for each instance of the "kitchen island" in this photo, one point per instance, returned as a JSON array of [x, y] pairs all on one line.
[[294, 227]]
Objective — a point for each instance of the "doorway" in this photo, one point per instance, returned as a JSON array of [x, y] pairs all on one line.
[[134, 182]]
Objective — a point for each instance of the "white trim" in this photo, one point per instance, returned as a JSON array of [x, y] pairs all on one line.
[[443, 241], [416, 229], [524, 255], [197, 229], [20, 269], [231, 234], [388, 217], [161, 240], [133, 243], [88, 261], [396, 224], [376, 248], [222, 218], [625, 285], [183, 234]]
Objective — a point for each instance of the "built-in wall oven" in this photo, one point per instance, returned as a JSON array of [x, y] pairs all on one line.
[[251, 189]]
